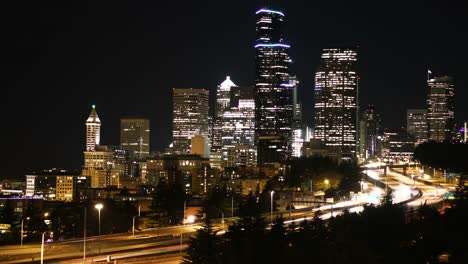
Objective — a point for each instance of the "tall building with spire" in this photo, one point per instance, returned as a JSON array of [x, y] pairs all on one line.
[[440, 111], [274, 103], [336, 101], [223, 104], [93, 130]]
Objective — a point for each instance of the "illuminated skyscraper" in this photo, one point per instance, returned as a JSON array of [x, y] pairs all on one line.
[[416, 124], [274, 106], [93, 130], [372, 133], [440, 111], [223, 104], [135, 137], [189, 117], [238, 125], [336, 101]]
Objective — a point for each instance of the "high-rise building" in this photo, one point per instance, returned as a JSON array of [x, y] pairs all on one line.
[[274, 102], [223, 104], [440, 111], [238, 125], [416, 124], [93, 130], [200, 146], [465, 132], [135, 137], [398, 146], [336, 101], [190, 117], [372, 133], [64, 188], [223, 97]]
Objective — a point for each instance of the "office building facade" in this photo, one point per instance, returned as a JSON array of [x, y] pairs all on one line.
[[336, 101], [190, 117], [416, 124], [135, 137], [440, 111]]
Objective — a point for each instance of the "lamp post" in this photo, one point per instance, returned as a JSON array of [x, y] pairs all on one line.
[[185, 206], [99, 206], [42, 248], [222, 216], [22, 222], [22, 229], [84, 237], [271, 212], [232, 205], [133, 226]]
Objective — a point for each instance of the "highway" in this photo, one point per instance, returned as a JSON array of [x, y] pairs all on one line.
[[405, 187], [168, 239]]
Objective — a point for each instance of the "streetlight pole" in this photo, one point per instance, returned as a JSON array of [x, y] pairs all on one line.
[[185, 206], [271, 212], [22, 221], [84, 237], [42, 248], [133, 226], [99, 206], [232, 205], [22, 229], [222, 216]]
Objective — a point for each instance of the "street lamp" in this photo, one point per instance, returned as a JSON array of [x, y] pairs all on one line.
[[84, 236], [133, 226], [42, 248], [222, 216], [232, 205], [271, 212], [22, 229], [99, 206]]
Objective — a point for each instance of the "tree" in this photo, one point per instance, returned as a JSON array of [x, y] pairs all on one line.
[[159, 215], [205, 247]]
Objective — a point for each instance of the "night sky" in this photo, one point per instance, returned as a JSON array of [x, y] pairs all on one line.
[[61, 57]]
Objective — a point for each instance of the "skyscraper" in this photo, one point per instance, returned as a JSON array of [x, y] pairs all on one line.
[[238, 125], [416, 124], [274, 106], [440, 111], [223, 104], [336, 101], [135, 137], [93, 130], [372, 130], [190, 117]]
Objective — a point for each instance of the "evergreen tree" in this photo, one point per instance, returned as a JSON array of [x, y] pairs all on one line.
[[159, 215], [205, 247]]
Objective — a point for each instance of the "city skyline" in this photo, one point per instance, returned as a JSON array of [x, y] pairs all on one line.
[[76, 107]]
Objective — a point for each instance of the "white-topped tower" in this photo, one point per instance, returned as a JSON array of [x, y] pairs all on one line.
[[93, 130]]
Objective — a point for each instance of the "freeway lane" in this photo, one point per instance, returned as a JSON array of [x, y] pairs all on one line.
[[404, 187], [95, 245]]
